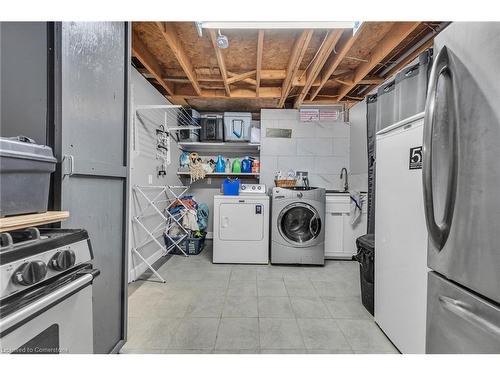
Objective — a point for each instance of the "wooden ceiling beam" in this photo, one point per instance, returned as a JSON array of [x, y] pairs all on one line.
[[298, 52], [149, 61], [313, 71], [220, 61], [242, 93], [241, 77], [383, 49], [170, 35], [408, 59], [258, 65], [372, 81], [335, 61]]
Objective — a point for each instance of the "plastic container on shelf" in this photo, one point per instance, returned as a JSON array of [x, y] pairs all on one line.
[[246, 165], [236, 166], [237, 126], [25, 169]]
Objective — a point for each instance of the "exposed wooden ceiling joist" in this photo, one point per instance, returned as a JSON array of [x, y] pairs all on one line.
[[336, 59], [391, 40], [168, 31], [241, 77], [265, 92], [140, 51], [220, 61], [298, 52], [268, 68], [258, 65], [313, 71]]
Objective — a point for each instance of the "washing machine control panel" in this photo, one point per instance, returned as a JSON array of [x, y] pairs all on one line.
[[253, 188]]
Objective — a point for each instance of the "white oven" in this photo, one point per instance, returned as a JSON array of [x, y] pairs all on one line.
[[54, 317]]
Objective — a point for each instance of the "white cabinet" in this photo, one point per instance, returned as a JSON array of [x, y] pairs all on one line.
[[340, 235]]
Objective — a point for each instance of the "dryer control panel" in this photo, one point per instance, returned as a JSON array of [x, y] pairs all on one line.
[[252, 189]]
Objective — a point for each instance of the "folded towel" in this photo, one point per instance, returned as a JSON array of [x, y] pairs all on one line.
[[356, 207]]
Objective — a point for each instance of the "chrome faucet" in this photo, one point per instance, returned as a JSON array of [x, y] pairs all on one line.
[[346, 181]]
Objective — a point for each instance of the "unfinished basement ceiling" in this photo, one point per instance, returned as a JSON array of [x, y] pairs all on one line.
[[274, 68]]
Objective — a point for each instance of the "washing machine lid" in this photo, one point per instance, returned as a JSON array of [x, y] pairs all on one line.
[[300, 224]]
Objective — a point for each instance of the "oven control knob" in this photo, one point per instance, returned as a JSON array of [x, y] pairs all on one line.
[[30, 273], [62, 260]]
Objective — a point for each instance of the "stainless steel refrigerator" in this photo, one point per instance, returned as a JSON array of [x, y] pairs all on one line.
[[461, 183]]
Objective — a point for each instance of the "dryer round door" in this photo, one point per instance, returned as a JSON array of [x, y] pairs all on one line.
[[299, 224]]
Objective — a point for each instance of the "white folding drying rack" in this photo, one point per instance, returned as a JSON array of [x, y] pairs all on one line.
[[154, 195]]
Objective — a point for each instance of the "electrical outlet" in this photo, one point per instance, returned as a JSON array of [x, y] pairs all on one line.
[[150, 179]]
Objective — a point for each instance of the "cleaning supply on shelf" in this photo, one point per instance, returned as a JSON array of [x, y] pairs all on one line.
[[220, 166], [256, 166], [246, 165], [228, 166], [231, 187], [184, 160], [236, 166]]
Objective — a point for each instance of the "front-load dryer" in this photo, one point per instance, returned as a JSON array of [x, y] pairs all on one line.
[[298, 226], [241, 226]]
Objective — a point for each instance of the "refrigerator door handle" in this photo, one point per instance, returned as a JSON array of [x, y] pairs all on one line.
[[438, 232], [464, 311]]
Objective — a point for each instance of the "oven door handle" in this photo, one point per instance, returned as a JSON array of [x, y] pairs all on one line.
[[45, 302]]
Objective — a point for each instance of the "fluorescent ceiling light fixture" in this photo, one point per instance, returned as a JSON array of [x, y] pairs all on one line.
[[278, 25]]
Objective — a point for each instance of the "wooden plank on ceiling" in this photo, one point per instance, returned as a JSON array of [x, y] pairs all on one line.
[[298, 52], [170, 35], [140, 51], [409, 58], [335, 61], [313, 71], [265, 92], [220, 61], [241, 77], [391, 40], [258, 67]]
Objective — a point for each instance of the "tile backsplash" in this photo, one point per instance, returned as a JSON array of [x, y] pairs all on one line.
[[321, 148]]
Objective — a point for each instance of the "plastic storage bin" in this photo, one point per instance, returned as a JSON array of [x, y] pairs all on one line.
[[237, 126], [25, 169], [366, 259], [231, 187], [188, 117], [212, 127]]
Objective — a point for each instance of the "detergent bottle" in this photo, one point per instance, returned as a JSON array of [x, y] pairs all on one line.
[[246, 165], [220, 166], [236, 166]]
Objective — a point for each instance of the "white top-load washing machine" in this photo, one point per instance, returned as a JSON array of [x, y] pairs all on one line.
[[241, 226], [298, 226]]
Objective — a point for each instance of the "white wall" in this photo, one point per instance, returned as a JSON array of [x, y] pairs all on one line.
[[321, 148], [143, 164], [358, 178]]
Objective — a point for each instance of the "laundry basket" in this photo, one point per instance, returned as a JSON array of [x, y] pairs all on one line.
[[195, 245], [170, 241]]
